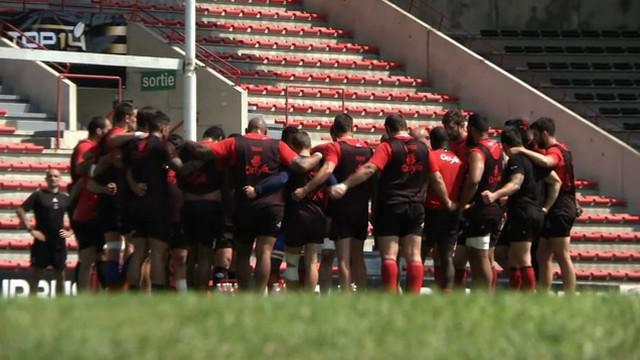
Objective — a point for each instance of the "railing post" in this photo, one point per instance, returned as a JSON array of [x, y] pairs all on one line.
[[286, 106]]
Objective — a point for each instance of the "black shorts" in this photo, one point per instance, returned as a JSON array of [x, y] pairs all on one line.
[[525, 225], [441, 227], [203, 222], [560, 218], [483, 221], [557, 225], [349, 223], [399, 220], [88, 234], [52, 252], [251, 222], [152, 224], [304, 225], [109, 214]]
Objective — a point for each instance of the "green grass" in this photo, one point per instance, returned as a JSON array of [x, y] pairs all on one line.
[[371, 326]]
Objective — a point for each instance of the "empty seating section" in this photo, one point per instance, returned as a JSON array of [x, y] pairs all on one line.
[[593, 72]]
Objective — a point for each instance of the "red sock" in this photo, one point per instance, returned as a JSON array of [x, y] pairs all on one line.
[[528, 278], [437, 275], [460, 278], [515, 278], [415, 277], [494, 277], [390, 275]]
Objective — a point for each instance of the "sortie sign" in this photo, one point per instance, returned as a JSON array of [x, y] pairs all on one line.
[[158, 80]]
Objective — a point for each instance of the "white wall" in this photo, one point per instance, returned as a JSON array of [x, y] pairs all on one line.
[[220, 102], [39, 82], [485, 87]]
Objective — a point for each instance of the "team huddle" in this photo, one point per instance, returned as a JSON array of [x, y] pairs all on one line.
[[150, 210]]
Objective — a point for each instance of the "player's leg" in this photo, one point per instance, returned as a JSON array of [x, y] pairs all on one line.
[[179, 260], [222, 262], [140, 252], [389, 247], [545, 263], [242, 257], [343, 251], [36, 275], [410, 248], [292, 258], [205, 256], [158, 256], [460, 259], [358, 266], [114, 247], [519, 263], [561, 252], [480, 261], [311, 266], [264, 248], [86, 257], [327, 254]]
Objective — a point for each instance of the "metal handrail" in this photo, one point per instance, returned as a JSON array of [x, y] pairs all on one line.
[[79, 76], [4, 23], [289, 87]]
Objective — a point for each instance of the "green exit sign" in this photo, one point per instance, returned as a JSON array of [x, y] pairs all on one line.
[[157, 80]]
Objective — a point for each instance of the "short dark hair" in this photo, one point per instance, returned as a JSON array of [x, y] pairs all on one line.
[[511, 136], [545, 124], [288, 132], [521, 125], [395, 123], [342, 123], [157, 120], [145, 116], [96, 122], [300, 141], [439, 138], [478, 122], [121, 111], [214, 132], [453, 116]]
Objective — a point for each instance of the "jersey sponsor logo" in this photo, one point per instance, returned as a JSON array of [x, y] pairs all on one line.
[[449, 159], [411, 165], [496, 177], [55, 203], [256, 166]]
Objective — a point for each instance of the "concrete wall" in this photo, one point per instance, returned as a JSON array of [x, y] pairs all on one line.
[[38, 82], [220, 102], [94, 102], [474, 15], [484, 87]]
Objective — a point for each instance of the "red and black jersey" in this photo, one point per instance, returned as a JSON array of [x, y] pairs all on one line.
[[404, 171], [351, 156], [564, 166], [112, 173], [255, 160], [83, 147], [207, 179], [493, 167], [452, 170], [148, 164]]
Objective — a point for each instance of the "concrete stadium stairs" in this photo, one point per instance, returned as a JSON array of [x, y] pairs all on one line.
[[281, 49]]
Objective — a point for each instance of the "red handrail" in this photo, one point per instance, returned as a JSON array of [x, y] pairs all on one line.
[[79, 76], [27, 37], [228, 70], [286, 97]]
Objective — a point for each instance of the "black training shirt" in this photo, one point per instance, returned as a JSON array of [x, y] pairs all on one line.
[[49, 209]]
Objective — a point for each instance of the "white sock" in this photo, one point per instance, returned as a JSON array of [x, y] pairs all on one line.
[[181, 285], [291, 273]]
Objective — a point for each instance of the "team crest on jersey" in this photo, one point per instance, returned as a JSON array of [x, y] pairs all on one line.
[[411, 165], [256, 167]]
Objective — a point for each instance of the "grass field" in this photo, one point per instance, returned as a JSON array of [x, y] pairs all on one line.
[[371, 326]]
